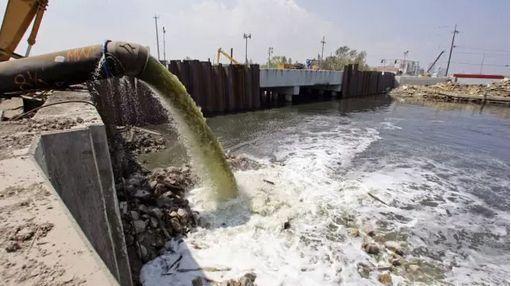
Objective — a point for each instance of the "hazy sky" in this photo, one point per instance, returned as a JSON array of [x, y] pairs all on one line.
[[384, 29]]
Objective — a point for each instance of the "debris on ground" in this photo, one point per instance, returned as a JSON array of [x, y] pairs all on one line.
[[142, 141], [496, 92], [241, 163], [246, 280]]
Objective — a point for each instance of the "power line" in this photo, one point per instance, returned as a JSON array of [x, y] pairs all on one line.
[[477, 64], [482, 49], [480, 53]]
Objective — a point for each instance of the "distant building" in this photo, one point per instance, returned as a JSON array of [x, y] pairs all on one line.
[[391, 69], [400, 66]]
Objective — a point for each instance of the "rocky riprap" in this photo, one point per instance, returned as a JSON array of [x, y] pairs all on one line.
[[142, 141], [154, 209], [153, 204]]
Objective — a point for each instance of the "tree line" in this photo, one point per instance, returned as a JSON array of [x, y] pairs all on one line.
[[342, 56]]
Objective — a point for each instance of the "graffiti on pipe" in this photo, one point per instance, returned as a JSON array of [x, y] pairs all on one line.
[[28, 80], [76, 55]]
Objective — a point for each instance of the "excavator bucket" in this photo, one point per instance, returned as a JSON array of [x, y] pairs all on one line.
[[17, 18]]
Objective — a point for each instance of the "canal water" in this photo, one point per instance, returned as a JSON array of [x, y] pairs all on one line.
[[433, 178]]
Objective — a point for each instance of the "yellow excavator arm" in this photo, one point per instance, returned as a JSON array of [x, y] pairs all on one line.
[[221, 52], [17, 18]]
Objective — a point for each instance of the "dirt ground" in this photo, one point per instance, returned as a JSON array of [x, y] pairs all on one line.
[[40, 244]]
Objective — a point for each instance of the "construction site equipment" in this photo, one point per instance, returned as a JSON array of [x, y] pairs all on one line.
[[229, 57], [295, 66], [436, 60], [17, 18], [60, 69]]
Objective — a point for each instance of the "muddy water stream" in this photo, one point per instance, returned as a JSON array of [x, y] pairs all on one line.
[[435, 179], [206, 153]]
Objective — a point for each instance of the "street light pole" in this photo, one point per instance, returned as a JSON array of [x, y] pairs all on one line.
[[270, 51], [164, 48], [157, 39], [323, 42], [246, 37]]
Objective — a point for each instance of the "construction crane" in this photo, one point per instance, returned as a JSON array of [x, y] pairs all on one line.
[[434, 62], [17, 18], [221, 52]]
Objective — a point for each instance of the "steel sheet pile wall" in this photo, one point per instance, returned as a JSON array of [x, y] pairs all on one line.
[[219, 89], [363, 83]]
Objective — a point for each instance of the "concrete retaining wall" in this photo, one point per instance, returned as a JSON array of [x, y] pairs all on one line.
[[416, 80], [77, 163]]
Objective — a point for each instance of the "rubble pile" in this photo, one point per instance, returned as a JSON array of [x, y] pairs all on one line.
[[454, 92], [241, 162], [153, 209], [141, 141]]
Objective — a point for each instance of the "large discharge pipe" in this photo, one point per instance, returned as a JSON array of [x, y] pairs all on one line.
[[60, 69]]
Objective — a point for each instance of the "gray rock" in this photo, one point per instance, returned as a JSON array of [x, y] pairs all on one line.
[[396, 261], [141, 194], [157, 212], [394, 246], [123, 207], [176, 225], [197, 281], [248, 279], [143, 208], [385, 278], [143, 251], [154, 222], [164, 202], [139, 225], [134, 215], [371, 248]]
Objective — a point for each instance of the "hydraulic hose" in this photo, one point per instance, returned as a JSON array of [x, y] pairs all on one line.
[[60, 69]]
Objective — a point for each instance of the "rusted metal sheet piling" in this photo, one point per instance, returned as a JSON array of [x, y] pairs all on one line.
[[357, 83], [220, 89]]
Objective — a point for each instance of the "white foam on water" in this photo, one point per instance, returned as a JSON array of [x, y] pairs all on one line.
[[248, 235], [425, 206]]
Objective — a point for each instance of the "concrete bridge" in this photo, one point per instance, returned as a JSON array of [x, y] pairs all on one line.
[[290, 81]]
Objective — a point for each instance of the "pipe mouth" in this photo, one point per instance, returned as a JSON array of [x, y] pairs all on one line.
[[124, 58]]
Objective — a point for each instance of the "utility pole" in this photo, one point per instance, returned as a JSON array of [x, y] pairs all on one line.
[[323, 42], [482, 64], [270, 51], [157, 39], [452, 47], [246, 37], [164, 49]]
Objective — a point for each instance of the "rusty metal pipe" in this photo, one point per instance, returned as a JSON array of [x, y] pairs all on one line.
[[60, 69]]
